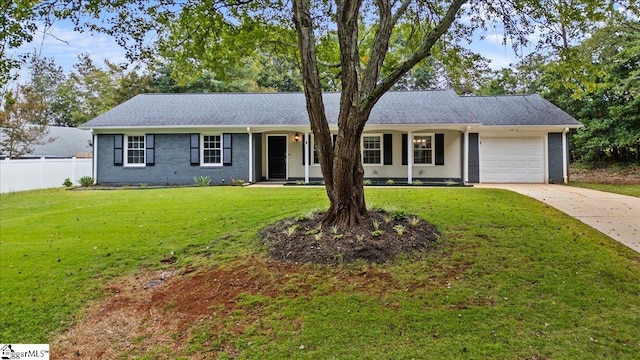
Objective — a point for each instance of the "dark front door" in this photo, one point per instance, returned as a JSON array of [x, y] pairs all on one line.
[[277, 161]]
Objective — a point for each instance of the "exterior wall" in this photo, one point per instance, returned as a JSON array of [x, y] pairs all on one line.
[[172, 163], [450, 170], [555, 158], [474, 158]]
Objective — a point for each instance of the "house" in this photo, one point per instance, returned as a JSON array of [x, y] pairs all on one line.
[[421, 135], [60, 142]]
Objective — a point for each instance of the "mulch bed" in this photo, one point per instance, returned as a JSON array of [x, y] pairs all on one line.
[[385, 236]]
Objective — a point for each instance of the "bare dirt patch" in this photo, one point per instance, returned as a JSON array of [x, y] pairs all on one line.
[[160, 321], [384, 236]]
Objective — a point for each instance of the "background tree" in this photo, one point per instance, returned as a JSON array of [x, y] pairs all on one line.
[[21, 122]]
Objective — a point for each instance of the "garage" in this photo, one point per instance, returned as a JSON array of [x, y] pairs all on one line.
[[512, 160]]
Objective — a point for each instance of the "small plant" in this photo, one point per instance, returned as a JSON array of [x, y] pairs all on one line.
[[450, 182], [86, 181], [308, 216], [143, 185], [399, 229], [414, 221], [367, 182], [67, 183], [359, 238], [376, 224], [237, 182], [334, 229], [202, 180], [291, 230], [398, 215], [318, 236], [388, 218], [417, 182], [376, 233], [299, 182], [337, 236], [390, 182]]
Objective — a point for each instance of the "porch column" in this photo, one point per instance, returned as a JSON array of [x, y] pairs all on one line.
[[250, 155], [306, 157], [94, 158], [565, 162], [465, 165], [409, 158]]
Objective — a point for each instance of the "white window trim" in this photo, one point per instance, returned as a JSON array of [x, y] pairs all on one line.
[[202, 163], [433, 149], [125, 156], [313, 149], [381, 163]]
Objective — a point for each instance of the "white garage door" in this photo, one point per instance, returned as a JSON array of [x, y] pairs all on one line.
[[514, 160]]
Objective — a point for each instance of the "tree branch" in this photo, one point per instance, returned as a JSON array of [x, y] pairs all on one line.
[[420, 54]]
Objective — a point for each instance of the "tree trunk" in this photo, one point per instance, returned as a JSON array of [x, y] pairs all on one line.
[[348, 207]]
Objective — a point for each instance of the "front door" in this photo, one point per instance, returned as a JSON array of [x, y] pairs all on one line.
[[277, 156]]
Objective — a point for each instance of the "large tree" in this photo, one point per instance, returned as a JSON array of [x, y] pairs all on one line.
[[365, 71]]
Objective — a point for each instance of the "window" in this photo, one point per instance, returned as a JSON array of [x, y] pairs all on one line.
[[423, 149], [211, 150], [372, 150], [316, 159], [135, 150]]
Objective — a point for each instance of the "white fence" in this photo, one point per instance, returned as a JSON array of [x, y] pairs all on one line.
[[42, 173]]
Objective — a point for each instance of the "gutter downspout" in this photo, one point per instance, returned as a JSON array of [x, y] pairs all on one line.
[[565, 163], [94, 158], [250, 155]]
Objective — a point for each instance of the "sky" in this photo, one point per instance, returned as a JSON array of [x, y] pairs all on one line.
[[63, 44]]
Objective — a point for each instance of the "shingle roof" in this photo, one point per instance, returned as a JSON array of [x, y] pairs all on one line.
[[67, 142], [265, 109], [516, 110]]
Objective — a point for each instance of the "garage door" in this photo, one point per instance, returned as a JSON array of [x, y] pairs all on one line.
[[514, 160]]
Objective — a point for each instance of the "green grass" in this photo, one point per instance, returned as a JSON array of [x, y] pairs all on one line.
[[631, 190], [515, 279]]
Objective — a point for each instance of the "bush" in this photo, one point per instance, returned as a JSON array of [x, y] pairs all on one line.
[[67, 183], [202, 180], [86, 181]]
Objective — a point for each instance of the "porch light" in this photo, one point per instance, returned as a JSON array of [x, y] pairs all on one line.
[[296, 137]]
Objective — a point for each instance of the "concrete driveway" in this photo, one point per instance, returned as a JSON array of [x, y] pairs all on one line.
[[617, 216]]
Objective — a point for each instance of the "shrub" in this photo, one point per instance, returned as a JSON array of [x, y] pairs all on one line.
[[202, 180], [417, 182], [237, 182], [86, 181], [67, 183], [390, 182], [367, 182]]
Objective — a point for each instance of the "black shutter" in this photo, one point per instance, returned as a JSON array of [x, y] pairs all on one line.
[[151, 149], [195, 149], [118, 143], [387, 145], [405, 140], [439, 149], [226, 149]]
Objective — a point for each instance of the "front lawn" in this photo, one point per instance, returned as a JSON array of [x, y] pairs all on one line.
[[624, 189], [512, 279]]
